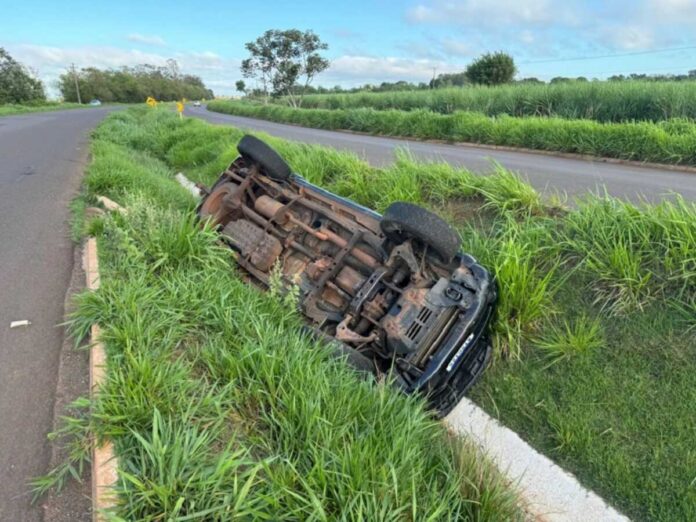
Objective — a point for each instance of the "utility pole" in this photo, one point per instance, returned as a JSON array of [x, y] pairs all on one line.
[[432, 82], [77, 86]]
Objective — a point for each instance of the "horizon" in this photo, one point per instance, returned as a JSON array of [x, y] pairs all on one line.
[[369, 42]]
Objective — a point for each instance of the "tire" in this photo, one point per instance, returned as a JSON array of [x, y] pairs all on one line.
[[354, 358], [267, 159], [402, 221]]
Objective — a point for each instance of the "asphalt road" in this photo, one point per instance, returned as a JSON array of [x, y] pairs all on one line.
[[549, 174], [42, 157]]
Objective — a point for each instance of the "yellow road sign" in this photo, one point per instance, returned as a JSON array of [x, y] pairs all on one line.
[[179, 106]]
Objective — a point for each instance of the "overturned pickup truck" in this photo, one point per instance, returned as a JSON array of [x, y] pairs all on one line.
[[393, 292]]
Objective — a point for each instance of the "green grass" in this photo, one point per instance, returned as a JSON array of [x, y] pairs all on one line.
[[219, 406], [11, 108], [670, 142], [594, 335], [599, 101]]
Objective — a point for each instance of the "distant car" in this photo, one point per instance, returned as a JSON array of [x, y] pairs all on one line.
[[196, 103], [95, 103], [393, 290]]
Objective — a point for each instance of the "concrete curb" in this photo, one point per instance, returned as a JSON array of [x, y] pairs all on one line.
[[550, 493], [104, 462]]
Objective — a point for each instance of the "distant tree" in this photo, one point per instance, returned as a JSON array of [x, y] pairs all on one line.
[[560, 79], [240, 86], [134, 84], [531, 79], [17, 84], [285, 60], [449, 80], [492, 69]]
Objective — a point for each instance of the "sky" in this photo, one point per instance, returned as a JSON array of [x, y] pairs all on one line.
[[369, 41]]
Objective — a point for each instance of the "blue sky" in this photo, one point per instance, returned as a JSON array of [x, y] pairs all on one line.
[[369, 41]]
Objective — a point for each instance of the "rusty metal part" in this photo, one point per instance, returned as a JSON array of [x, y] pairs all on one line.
[[280, 213], [349, 279], [318, 267], [345, 334], [260, 248], [376, 308], [213, 207], [357, 253], [411, 302], [405, 253], [269, 207]]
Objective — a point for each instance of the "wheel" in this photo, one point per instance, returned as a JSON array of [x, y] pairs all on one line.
[[268, 160], [353, 357], [213, 207], [402, 221]]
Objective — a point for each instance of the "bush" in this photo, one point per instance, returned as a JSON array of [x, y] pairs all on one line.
[[666, 142]]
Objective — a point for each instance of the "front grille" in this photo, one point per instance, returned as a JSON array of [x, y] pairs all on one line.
[[418, 323], [433, 335]]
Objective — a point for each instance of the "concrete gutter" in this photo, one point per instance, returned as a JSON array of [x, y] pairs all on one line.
[[550, 493]]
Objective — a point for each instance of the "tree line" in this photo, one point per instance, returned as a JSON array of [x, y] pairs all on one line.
[[17, 83], [132, 84]]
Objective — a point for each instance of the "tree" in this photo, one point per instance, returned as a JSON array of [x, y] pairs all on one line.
[[531, 79], [492, 69], [133, 84], [449, 80], [17, 84], [240, 86], [285, 61]]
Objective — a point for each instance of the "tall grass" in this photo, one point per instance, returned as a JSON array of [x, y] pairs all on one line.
[[595, 307], [636, 254], [669, 142], [13, 108], [221, 408], [599, 101]]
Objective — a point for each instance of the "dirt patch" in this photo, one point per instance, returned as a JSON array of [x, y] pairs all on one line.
[[73, 503]]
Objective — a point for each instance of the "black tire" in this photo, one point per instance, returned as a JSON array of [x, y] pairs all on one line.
[[402, 221], [354, 358], [268, 160]]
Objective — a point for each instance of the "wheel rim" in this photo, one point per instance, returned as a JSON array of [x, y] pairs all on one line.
[[213, 208]]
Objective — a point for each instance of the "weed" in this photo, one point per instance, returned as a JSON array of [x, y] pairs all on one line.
[[570, 339]]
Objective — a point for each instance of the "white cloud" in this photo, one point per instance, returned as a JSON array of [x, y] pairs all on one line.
[[527, 37], [629, 37], [456, 47], [485, 12], [681, 11], [51, 62], [356, 70], [147, 39]]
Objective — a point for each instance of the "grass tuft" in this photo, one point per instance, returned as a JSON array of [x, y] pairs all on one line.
[[570, 339]]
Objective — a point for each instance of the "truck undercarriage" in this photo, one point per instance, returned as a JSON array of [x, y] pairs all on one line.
[[392, 289]]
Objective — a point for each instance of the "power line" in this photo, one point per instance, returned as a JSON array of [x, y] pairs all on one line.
[[636, 53], [633, 71]]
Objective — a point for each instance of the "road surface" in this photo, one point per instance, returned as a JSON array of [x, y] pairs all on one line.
[[549, 174], [42, 160]]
